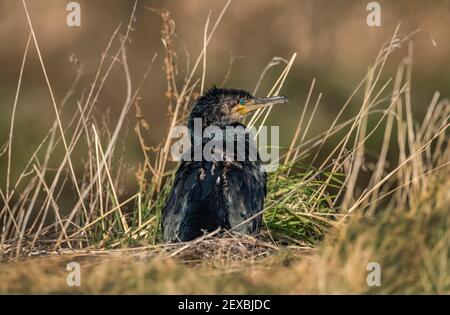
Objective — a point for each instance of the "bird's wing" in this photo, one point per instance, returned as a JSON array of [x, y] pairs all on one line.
[[246, 192], [178, 202], [246, 181]]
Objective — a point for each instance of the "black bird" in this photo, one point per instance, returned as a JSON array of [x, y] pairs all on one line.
[[227, 189]]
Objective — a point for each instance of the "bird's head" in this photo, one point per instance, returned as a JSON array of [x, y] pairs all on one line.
[[223, 107]]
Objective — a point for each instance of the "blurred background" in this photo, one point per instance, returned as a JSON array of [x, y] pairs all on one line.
[[333, 41]]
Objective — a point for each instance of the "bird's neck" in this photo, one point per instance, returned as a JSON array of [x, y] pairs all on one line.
[[198, 131], [231, 142]]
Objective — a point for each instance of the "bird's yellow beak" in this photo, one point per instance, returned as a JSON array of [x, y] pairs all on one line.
[[260, 102]]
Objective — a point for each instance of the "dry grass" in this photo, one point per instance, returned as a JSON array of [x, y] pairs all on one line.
[[412, 247], [399, 218]]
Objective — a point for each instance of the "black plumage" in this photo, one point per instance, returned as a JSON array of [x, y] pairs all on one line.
[[231, 187]]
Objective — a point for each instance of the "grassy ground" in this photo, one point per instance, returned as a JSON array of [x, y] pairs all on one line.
[[328, 213], [411, 246]]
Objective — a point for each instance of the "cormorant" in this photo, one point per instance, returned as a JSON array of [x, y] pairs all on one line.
[[228, 188]]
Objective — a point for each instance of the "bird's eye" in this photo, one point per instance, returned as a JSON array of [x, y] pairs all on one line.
[[242, 101]]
